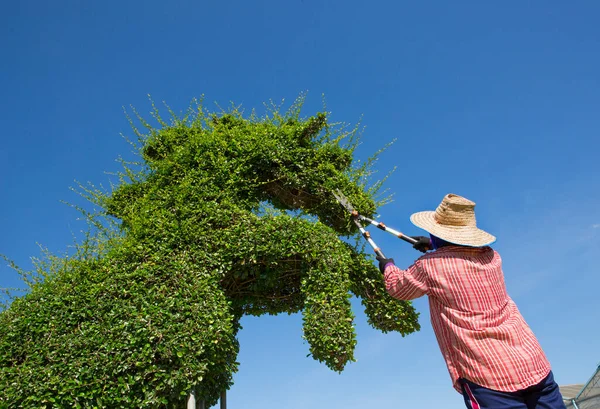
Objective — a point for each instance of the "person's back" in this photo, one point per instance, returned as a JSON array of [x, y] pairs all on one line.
[[493, 357]]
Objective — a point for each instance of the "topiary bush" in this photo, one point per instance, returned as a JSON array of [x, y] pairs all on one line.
[[227, 215]]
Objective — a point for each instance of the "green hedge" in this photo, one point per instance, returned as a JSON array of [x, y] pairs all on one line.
[[228, 215]]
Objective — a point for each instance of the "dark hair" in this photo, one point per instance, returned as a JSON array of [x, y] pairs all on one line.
[[436, 242]]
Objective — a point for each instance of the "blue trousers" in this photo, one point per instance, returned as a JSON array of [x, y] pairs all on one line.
[[544, 395]]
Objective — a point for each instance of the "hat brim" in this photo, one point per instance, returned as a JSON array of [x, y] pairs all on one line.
[[462, 235]]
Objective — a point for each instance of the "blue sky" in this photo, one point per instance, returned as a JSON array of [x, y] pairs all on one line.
[[497, 102]]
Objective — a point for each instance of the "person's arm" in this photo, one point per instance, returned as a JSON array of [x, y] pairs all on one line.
[[404, 284]]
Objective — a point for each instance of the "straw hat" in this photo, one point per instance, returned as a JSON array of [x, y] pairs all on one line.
[[454, 222]]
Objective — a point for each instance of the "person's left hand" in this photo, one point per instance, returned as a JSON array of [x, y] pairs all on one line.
[[384, 262]]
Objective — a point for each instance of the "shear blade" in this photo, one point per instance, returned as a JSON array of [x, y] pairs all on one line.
[[343, 200]]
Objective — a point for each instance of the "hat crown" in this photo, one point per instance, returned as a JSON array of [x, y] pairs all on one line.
[[455, 210]]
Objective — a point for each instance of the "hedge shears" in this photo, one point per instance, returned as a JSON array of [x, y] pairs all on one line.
[[357, 218]]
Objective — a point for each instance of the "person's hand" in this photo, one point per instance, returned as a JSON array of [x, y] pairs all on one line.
[[384, 262], [423, 243]]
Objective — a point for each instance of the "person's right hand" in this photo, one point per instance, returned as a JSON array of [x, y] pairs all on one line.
[[423, 243]]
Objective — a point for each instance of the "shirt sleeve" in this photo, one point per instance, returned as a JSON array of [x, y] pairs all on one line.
[[406, 284]]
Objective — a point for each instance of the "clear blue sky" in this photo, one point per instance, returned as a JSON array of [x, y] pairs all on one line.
[[497, 102]]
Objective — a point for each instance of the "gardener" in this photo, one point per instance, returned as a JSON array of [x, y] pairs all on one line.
[[492, 355]]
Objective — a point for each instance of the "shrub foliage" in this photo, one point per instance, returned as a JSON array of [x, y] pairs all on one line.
[[227, 215]]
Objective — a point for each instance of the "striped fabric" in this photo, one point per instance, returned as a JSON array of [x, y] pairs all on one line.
[[479, 329]]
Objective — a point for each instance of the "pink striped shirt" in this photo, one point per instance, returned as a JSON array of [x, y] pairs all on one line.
[[479, 329]]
